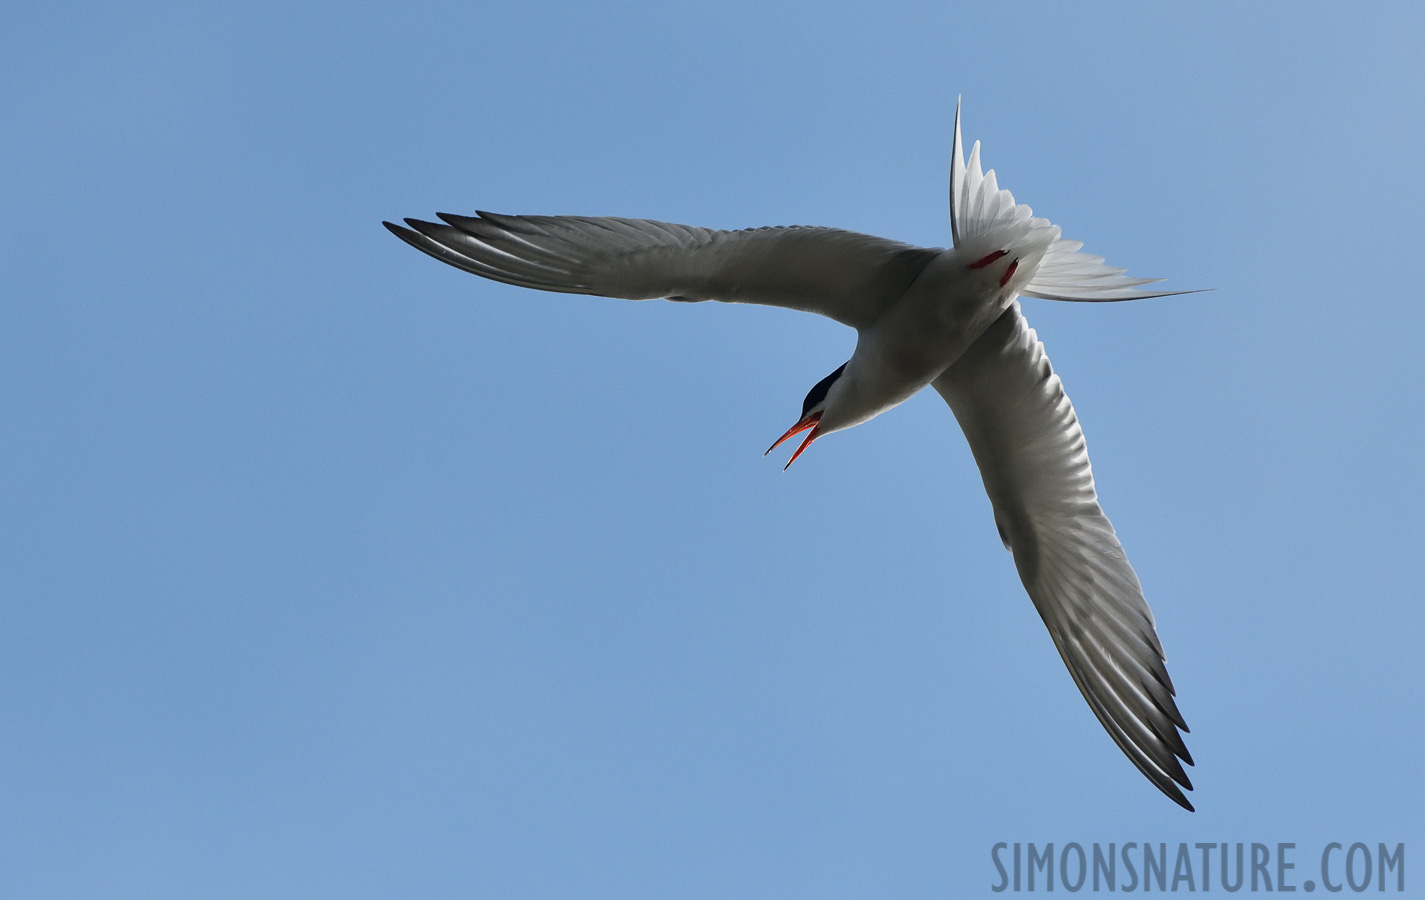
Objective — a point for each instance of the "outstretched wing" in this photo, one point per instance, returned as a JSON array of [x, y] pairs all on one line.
[[1031, 453], [843, 275], [978, 205]]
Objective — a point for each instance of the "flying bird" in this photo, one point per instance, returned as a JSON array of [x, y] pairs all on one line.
[[946, 318]]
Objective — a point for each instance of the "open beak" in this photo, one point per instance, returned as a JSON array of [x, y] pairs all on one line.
[[809, 423]]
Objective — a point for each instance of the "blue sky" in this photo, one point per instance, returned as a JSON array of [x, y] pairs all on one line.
[[329, 571]]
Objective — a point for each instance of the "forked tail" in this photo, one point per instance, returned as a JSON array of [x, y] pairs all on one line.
[[979, 208]]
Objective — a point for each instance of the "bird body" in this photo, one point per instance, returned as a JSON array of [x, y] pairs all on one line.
[[916, 337], [946, 318], [942, 312]]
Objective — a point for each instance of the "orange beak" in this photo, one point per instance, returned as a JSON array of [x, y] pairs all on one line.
[[810, 422]]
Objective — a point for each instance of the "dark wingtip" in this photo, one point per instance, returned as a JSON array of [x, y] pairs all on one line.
[[468, 224], [426, 229], [404, 234], [1176, 795], [414, 238]]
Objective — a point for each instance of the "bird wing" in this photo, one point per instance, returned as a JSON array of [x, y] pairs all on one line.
[[1031, 453], [843, 275]]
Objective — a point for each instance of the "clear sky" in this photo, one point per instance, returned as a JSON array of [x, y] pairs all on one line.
[[330, 571]]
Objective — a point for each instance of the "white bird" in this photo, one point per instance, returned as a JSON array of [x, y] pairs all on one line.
[[945, 318]]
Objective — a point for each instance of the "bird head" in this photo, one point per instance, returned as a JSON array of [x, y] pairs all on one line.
[[815, 404]]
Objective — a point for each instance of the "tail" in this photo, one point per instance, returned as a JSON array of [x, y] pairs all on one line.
[[978, 206]]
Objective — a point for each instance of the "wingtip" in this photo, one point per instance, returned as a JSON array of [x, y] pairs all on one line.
[[466, 224], [404, 234], [1175, 794]]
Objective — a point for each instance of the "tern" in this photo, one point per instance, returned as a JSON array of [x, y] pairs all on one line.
[[946, 318]]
